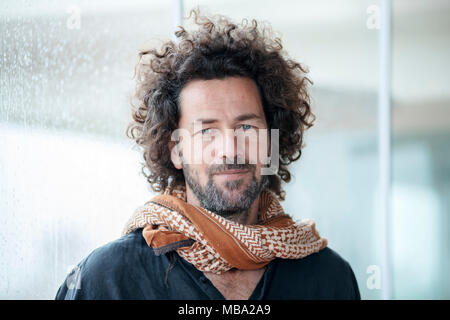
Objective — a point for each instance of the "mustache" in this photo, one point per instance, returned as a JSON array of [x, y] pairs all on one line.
[[218, 168]]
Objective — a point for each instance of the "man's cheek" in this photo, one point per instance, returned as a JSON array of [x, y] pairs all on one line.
[[190, 153], [269, 153], [209, 150], [255, 145]]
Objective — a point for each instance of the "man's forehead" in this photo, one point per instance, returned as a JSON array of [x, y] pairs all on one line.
[[226, 99]]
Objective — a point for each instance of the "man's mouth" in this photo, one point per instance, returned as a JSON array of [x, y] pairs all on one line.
[[232, 174]]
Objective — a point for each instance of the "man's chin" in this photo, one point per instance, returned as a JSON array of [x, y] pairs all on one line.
[[226, 195], [232, 196], [234, 187]]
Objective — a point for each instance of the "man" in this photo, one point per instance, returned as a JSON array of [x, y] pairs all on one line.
[[219, 116]]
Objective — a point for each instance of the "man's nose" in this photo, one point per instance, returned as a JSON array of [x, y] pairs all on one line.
[[229, 150]]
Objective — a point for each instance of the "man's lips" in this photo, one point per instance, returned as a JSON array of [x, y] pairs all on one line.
[[232, 171], [232, 174]]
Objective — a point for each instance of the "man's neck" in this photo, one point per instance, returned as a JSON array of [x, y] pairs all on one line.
[[236, 284], [248, 217]]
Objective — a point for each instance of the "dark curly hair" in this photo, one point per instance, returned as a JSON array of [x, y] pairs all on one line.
[[217, 49]]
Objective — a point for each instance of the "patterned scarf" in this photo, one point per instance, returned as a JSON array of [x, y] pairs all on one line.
[[215, 244]]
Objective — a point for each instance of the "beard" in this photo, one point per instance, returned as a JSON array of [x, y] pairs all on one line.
[[218, 199]]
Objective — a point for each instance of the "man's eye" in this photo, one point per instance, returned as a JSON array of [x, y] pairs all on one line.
[[246, 126], [205, 131]]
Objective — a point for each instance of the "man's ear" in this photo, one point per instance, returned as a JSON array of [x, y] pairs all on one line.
[[175, 154]]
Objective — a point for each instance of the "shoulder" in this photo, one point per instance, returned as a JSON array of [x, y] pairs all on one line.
[[328, 260], [112, 271], [117, 253], [325, 272]]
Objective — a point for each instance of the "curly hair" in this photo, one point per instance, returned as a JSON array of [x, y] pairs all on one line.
[[216, 49]]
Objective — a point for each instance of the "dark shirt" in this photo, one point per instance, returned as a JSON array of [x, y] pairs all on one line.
[[128, 269]]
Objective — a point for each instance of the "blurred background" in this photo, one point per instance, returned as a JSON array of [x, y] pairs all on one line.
[[70, 178]]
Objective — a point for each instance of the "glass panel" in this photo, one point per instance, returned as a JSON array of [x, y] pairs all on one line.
[[72, 178], [421, 150]]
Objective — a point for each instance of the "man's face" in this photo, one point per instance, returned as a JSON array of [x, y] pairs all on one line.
[[222, 120]]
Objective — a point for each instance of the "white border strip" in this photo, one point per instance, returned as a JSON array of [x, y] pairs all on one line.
[[177, 16], [384, 141]]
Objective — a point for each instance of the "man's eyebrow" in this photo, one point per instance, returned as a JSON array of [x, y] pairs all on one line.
[[242, 117], [249, 116], [205, 121]]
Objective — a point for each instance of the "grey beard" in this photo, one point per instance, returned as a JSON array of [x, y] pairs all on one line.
[[214, 198]]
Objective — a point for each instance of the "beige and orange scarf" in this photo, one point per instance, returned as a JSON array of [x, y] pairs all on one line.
[[215, 244]]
